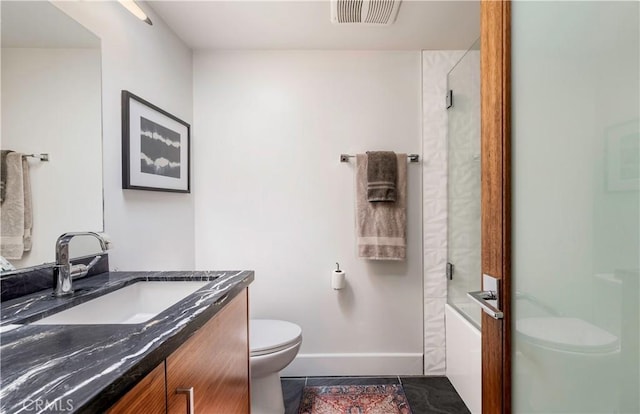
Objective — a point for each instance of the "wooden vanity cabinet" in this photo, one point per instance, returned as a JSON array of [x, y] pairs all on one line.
[[211, 368], [148, 396], [215, 362]]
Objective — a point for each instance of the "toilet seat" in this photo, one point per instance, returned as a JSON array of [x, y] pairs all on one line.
[[267, 336], [567, 334]]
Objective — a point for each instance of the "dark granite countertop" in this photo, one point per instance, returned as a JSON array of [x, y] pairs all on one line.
[[87, 368]]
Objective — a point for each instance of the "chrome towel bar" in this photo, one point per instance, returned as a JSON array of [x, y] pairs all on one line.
[[40, 157], [411, 157]]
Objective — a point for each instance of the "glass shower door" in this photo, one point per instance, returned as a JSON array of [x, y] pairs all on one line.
[[463, 213], [576, 211]]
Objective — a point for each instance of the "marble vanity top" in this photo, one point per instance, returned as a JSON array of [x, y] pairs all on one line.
[[87, 368]]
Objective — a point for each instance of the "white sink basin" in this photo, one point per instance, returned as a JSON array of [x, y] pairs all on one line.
[[136, 303]]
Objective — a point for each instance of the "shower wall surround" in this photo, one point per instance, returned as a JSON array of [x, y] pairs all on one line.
[[435, 66]]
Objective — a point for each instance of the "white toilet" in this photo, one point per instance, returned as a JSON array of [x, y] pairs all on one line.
[[273, 345]]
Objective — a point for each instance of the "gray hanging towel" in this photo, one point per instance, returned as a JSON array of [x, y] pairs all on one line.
[[3, 174], [382, 175], [15, 214], [381, 228]]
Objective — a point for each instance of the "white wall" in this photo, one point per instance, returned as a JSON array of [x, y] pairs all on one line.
[[67, 191], [150, 230], [272, 196]]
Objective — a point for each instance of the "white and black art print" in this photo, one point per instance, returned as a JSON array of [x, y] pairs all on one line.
[[155, 147], [159, 149]]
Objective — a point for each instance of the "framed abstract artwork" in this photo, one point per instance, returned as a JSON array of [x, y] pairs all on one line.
[[156, 152]]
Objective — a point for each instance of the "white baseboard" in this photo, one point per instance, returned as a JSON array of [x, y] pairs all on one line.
[[369, 364]]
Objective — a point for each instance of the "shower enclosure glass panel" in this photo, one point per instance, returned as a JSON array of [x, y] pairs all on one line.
[[575, 175], [464, 183]]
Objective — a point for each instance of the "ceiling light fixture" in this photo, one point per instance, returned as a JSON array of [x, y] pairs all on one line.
[[136, 10]]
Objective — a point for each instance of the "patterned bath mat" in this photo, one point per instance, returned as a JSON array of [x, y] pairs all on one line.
[[354, 399]]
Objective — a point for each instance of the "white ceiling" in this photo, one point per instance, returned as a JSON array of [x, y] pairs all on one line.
[[269, 24]]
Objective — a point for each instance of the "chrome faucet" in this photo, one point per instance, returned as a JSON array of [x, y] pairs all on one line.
[[63, 271]]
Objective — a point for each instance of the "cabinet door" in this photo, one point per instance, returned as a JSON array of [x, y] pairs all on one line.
[[148, 396], [214, 363]]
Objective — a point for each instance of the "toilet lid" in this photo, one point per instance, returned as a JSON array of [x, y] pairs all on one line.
[[267, 335], [570, 334]]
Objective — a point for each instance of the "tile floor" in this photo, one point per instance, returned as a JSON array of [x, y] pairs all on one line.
[[426, 395]]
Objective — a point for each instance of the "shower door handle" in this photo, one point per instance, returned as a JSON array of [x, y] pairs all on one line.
[[481, 297], [488, 299]]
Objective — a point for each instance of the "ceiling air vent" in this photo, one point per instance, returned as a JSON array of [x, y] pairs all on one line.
[[370, 12]]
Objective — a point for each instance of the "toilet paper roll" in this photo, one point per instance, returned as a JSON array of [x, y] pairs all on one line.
[[338, 280]]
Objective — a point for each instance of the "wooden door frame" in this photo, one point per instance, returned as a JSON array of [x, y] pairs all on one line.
[[495, 74]]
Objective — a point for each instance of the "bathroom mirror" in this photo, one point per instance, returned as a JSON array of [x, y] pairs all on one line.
[[51, 104]]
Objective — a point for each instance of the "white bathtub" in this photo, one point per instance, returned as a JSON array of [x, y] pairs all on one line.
[[464, 357]]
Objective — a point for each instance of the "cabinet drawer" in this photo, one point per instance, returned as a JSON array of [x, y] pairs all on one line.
[[214, 363], [148, 396]]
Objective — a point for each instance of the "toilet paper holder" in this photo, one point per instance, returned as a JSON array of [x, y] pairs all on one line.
[[338, 280]]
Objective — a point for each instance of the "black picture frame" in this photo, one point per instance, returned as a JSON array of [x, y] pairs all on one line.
[[156, 148]]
